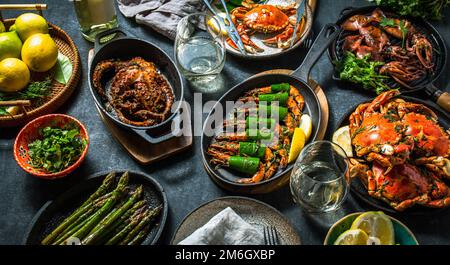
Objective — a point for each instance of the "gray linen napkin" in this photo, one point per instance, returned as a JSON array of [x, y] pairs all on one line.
[[161, 15]]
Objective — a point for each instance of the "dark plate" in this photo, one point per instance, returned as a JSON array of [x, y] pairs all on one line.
[[226, 177], [254, 212], [53, 212], [335, 50], [358, 188]]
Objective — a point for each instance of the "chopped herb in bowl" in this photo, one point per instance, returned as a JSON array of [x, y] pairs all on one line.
[[57, 150]]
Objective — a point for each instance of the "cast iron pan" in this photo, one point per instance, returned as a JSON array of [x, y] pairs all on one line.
[[358, 187], [123, 47], [227, 178], [336, 53], [53, 212]]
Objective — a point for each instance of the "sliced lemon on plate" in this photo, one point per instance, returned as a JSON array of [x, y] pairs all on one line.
[[298, 142], [213, 24], [377, 226], [306, 125], [342, 138], [352, 237]]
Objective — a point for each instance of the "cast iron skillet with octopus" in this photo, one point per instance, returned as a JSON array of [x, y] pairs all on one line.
[[227, 178], [358, 188], [126, 48], [336, 53]]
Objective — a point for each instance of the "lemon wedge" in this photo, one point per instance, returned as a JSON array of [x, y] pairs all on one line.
[[352, 237], [298, 142], [306, 125], [342, 138], [215, 27], [377, 226]]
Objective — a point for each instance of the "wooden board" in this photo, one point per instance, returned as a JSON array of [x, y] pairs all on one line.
[[320, 95]]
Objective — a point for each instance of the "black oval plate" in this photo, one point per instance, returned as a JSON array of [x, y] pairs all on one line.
[[53, 212], [358, 188]]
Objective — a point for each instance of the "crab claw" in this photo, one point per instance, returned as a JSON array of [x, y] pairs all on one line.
[[249, 45], [283, 40]]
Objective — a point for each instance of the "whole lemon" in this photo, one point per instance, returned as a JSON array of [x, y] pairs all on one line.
[[14, 75], [28, 24], [10, 45], [39, 52], [2, 27]]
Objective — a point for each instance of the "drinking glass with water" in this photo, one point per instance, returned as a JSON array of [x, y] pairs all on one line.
[[319, 181], [199, 48]]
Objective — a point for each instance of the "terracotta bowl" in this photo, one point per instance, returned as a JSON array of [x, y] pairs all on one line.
[[33, 131]]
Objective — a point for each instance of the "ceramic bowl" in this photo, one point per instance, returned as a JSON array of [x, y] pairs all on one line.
[[33, 131], [403, 236]]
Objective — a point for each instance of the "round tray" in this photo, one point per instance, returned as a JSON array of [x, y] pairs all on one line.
[[59, 93], [254, 212]]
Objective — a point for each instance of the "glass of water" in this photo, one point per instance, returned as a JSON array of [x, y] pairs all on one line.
[[320, 181], [200, 48]]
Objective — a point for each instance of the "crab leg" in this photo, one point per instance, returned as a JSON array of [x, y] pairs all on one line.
[[283, 40], [249, 45]]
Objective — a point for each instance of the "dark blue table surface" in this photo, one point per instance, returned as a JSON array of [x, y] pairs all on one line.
[[183, 177]]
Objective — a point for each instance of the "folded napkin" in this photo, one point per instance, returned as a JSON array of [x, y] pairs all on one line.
[[161, 15], [225, 228]]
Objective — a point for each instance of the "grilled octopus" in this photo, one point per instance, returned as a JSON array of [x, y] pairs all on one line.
[[138, 94]]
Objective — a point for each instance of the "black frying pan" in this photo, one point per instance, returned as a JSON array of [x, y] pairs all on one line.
[[123, 47], [336, 53], [226, 178], [358, 187], [53, 212]]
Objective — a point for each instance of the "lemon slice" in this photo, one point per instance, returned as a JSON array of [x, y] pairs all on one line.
[[352, 237], [377, 225], [342, 138], [213, 24], [298, 142], [306, 125], [13, 110]]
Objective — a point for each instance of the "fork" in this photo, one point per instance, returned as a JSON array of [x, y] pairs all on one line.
[[270, 235], [307, 43]]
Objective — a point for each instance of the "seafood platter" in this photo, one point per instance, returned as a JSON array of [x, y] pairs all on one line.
[[387, 69]]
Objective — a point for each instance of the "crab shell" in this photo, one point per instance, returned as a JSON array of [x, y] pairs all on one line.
[[266, 19]]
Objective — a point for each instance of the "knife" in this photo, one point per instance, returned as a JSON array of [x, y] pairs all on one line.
[[231, 29], [299, 15]]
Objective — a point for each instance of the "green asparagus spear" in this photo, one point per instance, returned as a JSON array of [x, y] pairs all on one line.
[[140, 237], [135, 220], [82, 209], [72, 231], [103, 226], [102, 212], [145, 221], [123, 221], [103, 189]]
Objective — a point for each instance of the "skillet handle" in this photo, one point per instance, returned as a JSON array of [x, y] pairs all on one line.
[[98, 45], [321, 43], [345, 11], [175, 131], [443, 100]]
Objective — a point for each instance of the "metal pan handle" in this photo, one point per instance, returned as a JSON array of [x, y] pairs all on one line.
[[98, 45], [440, 97], [321, 43], [162, 138]]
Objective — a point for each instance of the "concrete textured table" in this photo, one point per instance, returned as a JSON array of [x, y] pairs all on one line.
[[183, 177]]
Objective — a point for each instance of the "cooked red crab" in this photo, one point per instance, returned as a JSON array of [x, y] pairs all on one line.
[[251, 18], [404, 186], [377, 133]]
